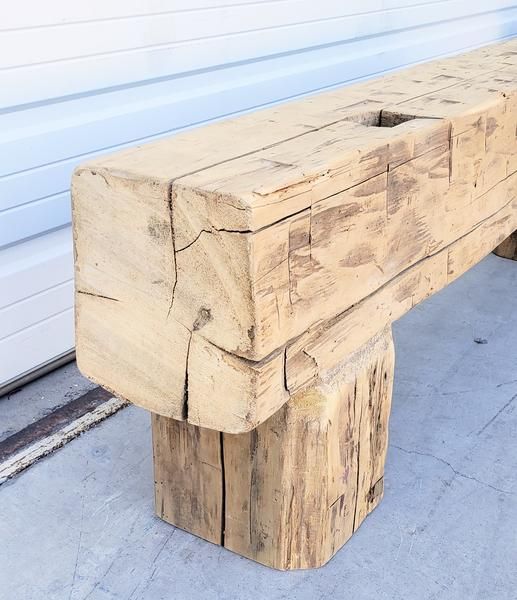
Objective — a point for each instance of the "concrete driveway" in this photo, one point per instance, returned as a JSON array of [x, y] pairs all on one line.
[[79, 524]]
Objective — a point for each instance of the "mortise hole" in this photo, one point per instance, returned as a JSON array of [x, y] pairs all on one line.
[[380, 118]]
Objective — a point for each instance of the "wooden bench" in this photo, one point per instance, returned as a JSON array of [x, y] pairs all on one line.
[[240, 280]]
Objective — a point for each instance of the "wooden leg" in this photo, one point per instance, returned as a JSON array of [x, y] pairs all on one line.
[[508, 248], [290, 493]]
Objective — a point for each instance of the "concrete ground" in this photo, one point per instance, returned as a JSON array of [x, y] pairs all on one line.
[[79, 524]]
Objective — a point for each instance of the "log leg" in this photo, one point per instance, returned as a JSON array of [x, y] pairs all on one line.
[[291, 492], [508, 248]]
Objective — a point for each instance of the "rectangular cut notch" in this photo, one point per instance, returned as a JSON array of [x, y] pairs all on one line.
[[381, 118]]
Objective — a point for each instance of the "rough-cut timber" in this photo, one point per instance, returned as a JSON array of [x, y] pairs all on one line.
[[240, 282], [290, 493], [508, 248], [206, 261]]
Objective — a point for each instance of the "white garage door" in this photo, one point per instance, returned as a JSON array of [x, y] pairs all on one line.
[[82, 78]]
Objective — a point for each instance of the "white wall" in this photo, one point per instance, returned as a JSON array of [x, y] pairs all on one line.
[[78, 79]]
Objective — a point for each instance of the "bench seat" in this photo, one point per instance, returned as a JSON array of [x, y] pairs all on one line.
[[239, 281]]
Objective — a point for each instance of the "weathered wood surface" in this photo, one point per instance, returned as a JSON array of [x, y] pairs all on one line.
[[508, 248], [219, 270], [290, 493]]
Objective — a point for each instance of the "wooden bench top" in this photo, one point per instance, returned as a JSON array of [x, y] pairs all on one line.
[[220, 270]]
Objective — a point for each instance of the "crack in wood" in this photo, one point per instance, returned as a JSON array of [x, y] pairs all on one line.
[[358, 464], [223, 489], [173, 243], [94, 295], [185, 388]]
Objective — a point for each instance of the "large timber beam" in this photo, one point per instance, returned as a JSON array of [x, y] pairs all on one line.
[[240, 280]]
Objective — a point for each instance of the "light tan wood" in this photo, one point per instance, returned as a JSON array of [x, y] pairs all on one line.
[[204, 262], [187, 476], [240, 281], [508, 248], [290, 493], [123, 284]]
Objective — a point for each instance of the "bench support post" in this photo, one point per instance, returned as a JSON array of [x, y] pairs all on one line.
[[291, 492], [508, 248]]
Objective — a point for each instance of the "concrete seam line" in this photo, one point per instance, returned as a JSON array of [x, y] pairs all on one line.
[[30, 454], [52, 422]]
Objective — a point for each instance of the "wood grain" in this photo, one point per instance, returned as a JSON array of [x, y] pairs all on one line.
[[240, 281], [204, 260], [290, 493], [187, 476]]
